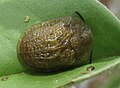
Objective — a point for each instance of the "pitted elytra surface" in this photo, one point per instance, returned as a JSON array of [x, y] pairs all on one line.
[[56, 44]]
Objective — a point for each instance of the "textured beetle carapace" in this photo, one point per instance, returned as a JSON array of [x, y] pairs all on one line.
[[56, 44]]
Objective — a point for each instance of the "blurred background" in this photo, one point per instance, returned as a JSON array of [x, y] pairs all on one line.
[[109, 79], [113, 6]]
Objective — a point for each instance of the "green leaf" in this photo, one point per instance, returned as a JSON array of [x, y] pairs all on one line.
[[33, 80], [104, 25]]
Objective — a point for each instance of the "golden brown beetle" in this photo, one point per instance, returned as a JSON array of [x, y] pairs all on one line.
[[56, 44]]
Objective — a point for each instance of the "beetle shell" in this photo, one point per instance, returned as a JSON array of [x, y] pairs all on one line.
[[56, 44]]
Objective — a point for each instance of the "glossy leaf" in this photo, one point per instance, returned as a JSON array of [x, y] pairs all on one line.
[[33, 80]]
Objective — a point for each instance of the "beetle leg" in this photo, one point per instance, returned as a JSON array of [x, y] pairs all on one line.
[[80, 16], [90, 58]]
